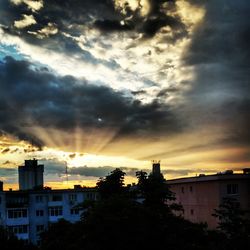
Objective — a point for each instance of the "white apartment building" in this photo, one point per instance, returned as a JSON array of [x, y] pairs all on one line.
[[29, 211]]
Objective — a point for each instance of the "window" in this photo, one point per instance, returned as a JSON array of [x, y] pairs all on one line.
[[17, 213], [90, 196], [232, 189], [57, 197], [20, 229], [39, 199], [182, 190], [74, 211], [17, 200], [191, 189], [39, 228], [191, 211], [72, 197], [55, 211], [39, 213]]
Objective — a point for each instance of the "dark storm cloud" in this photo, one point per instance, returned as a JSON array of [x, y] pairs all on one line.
[[235, 113], [66, 16], [103, 171], [6, 172], [160, 15], [186, 172], [71, 16], [32, 96], [112, 25], [152, 25], [219, 53], [223, 37], [55, 166], [138, 92], [165, 91], [91, 171], [58, 167]]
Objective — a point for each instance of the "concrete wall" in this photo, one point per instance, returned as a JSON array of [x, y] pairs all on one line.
[[198, 201], [41, 200], [200, 196]]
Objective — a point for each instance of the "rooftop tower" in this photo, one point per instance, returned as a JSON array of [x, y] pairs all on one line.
[[30, 175], [156, 168]]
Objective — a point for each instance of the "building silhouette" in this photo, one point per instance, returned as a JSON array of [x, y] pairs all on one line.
[[156, 168], [30, 175]]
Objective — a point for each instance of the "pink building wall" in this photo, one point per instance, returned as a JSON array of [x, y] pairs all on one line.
[[199, 196]]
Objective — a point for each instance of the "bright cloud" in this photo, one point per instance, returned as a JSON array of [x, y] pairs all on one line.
[[25, 22], [34, 5]]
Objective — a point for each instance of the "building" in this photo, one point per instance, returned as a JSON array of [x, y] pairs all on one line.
[[1, 186], [200, 195], [28, 212], [156, 168], [30, 175]]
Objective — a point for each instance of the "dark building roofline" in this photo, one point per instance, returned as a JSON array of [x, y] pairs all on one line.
[[206, 178], [47, 191]]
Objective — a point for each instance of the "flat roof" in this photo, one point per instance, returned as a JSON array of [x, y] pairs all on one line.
[[47, 191], [205, 178]]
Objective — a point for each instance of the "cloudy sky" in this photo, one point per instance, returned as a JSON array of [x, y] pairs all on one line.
[[100, 84]]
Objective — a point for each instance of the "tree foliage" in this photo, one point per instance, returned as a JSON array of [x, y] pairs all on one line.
[[154, 190], [112, 184], [9, 241], [233, 221], [62, 235], [122, 221]]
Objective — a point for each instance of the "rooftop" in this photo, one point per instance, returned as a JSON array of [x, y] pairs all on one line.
[[227, 175]]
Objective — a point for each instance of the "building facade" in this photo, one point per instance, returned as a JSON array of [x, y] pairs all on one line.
[[30, 175], [30, 210], [28, 213], [200, 195]]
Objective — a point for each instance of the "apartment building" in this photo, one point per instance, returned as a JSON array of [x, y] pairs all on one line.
[[29, 211], [200, 195]]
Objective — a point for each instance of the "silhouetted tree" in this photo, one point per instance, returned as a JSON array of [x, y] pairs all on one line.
[[121, 221], [9, 241], [62, 235], [154, 190], [112, 184], [233, 221]]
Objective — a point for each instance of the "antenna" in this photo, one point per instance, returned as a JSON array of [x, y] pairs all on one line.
[[66, 172], [32, 150], [156, 161]]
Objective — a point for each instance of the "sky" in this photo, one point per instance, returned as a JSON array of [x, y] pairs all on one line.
[[96, 85]]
